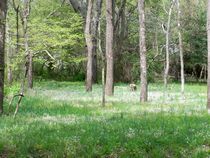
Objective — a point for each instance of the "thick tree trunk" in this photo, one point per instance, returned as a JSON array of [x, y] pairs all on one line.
[[167, 46], [89, 43], [142, 46], [180, 48], [109, 48], [3, 11], [80, 6], [208, 32]]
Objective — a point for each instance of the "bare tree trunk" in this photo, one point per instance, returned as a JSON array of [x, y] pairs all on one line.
[[103, 65], [25, 15], [208, 32], [3, 12], [17, 29], [167, 32], [109, 49], [202, 72], [181, 48], [30, 70], [81, 7], [94, 27], [205, 73], [89, 43], [9, 54], [142, 50]]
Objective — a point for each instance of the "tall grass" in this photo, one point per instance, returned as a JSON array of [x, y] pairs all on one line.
[[59, 119]]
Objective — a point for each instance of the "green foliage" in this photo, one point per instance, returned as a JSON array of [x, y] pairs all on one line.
[[56, 37]]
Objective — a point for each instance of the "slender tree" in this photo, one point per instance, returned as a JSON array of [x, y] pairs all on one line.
[[208, 32], [109, 49], [103, 100], [94, 29], [3, 12], [16, 8], [24, 17], [142, 50], [89, 43], [180, 47], [9, 52], [167, 32]]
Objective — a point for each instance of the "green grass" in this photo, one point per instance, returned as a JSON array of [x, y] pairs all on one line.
[[59, 119]]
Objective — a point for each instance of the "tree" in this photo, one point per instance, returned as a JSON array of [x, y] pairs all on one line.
[[142, 46], [208, 32], [94, 29], [3, 12], [9, 52], [24, 17], [180, 47], [89, 43], [167, 32], [109, 48], [81, 7]]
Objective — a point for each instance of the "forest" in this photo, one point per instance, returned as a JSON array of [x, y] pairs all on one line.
[[104, 78]]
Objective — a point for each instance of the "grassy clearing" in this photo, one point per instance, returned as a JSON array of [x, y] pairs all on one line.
[[59, 119]]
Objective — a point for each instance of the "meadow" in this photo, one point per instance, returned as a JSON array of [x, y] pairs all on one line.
[[59, 119]]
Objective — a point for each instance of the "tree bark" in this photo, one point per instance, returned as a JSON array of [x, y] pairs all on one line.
[[142, 46], [89, 43], [109, 49], [208, 32], [25, 15], [30, 70], [9, 53], [94, 29], [3, 12], [79, 6], [167, 64], [103, 101], [17, 29], [181, 48]]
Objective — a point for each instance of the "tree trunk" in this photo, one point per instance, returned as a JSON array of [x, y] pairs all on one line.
[[9, 54], [30, 70], [25, 15], [180, 48], [167, 46], [94, 29], [142, 46], [109, 49], [17, 29], [103, 64], [89, 43], [3, 11], [79, 6], [208, 32]]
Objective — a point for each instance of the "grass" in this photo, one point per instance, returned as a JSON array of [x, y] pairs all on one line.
[[59, 119]]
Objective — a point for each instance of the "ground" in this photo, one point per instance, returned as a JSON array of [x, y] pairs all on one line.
[[59, 119]]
